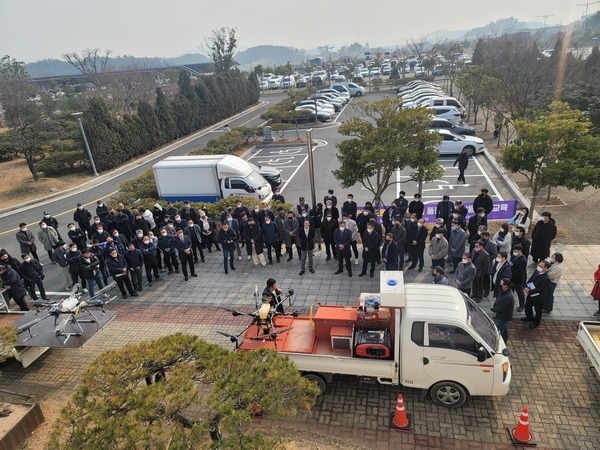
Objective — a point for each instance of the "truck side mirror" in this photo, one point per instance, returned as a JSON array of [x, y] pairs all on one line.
[[481, 354]]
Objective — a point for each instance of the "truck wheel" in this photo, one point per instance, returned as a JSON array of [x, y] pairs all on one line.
[[449, 394], [318, 379]]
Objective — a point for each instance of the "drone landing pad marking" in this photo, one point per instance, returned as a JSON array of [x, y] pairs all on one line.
[[44, 335]]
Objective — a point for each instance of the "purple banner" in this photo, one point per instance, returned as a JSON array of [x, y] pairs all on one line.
[[503, 210]]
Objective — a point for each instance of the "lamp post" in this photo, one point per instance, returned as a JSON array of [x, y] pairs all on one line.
[[311, 168], [85, 141]]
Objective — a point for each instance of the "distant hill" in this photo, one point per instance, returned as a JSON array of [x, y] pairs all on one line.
[[57, 67], [269, 55], [501, 26]]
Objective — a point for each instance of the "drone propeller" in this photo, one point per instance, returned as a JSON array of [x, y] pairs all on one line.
[[235, 313]]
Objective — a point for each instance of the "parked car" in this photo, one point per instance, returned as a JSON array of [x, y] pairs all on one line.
[[453, 144], [337, 103], [322, 115], [343, 95], [320, 104], [446, 112], [271, 174], [445, 124]]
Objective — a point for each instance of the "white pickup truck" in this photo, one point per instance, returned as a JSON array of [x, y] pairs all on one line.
[[421, 336], [588, 337]]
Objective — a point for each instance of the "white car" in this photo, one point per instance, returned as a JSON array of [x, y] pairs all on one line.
[[453, 144], [322, 115], [320, 105], [446, 112]]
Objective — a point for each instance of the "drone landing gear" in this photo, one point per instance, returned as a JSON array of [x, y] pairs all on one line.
[[74, 323]]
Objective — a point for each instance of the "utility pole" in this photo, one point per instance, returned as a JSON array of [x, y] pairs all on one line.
[[548, 15], [587, 6]]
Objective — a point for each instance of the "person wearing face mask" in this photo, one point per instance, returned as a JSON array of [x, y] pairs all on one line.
[[363, 219], [521, 218], [456, 245], [389, 253], [503, 239], [353, 227], [465, 274], [483, 200], [463, 162], [438, 248], [492, 250], [13, 283], [206, 228], [350, 207], [117, 267], [82, 216], [148, 249], [416, 206], [26, 240], [290, 227], [271, 236], [301, 206], [399, 237], [96, 222], [255, 214], [98, 251], [227, 237], [306, 239], [32, 273], [8, 260], [254, 242], [370, 255], [101, 209], [188, 213], [264, 213], [501, 269], [342, 242], [167, 247], [90, 266], [51, 222], [123, 224], [330, 208], [401, 203], [410, 223], [521, 239], [171, 210], [194, 232], [542, 236], [554, 274], [479, 219], [503, 307], [519, 274], [48, 237], [481, 261], [316, 215], [328, 229], [417, 245], [120, 241], [444, 209], [100, 234], [77, 236], [536, 291], [183, 244], [239, 210], [139, 223], [135, 262], [74, 269], [461, 209], [59, 256]]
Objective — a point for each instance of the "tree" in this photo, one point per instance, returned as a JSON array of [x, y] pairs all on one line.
[[555, 150], [386, 139], [90, 63], [179, 392], [221, 46], [29, 128]]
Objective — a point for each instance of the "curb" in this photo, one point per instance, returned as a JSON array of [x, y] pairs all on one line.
[[129, 165], [512, 186]]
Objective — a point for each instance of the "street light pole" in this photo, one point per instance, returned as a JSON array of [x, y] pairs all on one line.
[[311, 168], [85, 141]]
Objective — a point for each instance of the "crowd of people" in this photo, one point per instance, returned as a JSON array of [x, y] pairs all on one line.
[[124, 244]]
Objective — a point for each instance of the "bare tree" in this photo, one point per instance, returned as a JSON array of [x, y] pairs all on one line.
[[220, 46], [90, 63]]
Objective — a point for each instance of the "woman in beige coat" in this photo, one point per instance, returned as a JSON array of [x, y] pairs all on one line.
[[554, 274]]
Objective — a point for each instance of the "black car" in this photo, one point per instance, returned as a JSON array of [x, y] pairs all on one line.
[[447, 125], [271, 174]]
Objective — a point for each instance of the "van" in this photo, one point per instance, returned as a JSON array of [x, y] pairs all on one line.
[[448, 101], [288, 82], [354, 89]]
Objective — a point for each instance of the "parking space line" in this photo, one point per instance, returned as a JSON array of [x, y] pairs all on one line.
[[488, 179]]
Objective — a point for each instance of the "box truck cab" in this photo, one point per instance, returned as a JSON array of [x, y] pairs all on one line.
[[422, 336], [208, 178]]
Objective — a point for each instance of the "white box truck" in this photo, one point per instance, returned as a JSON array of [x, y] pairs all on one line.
[[208, 178], [423, 336]]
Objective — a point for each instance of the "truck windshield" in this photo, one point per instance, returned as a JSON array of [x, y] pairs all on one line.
[[479, 321], [255, 180]]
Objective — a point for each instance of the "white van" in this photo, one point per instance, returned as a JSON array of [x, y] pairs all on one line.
[[447, 101], [354, 89], [288, 82]]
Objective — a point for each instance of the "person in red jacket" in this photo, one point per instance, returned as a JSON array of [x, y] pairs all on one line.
[[596, 289]]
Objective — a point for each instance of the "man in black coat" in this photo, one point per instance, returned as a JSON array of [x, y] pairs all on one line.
[[12, 281], [117, 267], [227, 237], [479, 219], [77, 236], [401, 202], [503, 307], [253, 237], [188, 213], [542, 236], [90, 266], [481, 261], [350, 207], [444, 209], [183, 244], [82, 216], [306, 238], [33, 275], [416, 245], [501, 269], [463, 163], [536, 290], [135, 262], [483, 200], [519, 274], [194, 232], [167, 247], [416, 206], [371, 241], [389, 253], [328, 228], [342, 242]]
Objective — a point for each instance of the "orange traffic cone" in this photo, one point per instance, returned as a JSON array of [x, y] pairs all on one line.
[[399, 420], [520, 434]]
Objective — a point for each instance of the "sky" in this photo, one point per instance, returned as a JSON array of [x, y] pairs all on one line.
[[38, 29]]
